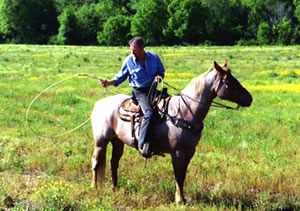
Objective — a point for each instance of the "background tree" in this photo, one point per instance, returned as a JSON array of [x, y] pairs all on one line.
[[160, 22], [79, 25], [227, 21], [109, 8], [88, 23], [297, 10], [111, 13], [78, 3], [116, 31], [68, 31], [264, 34], [28, 21], [186, 22], [284, 32], [149, 21], [1, 38], [272, 12]]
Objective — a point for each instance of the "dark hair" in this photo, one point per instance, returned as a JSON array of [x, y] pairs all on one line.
[[137, 41]]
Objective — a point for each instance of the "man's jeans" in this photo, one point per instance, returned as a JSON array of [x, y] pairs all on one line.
[[141, 95]]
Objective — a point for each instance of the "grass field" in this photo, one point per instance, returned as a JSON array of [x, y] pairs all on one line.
[[246, 159]]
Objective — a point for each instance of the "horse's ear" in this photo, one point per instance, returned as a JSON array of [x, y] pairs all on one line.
[[225, 63], [220, 69]]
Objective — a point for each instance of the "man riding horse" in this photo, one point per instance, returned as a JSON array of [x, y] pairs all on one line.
[[142, 68]]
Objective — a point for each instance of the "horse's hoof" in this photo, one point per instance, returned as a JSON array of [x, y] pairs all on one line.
[[93, 185], [116, 188]]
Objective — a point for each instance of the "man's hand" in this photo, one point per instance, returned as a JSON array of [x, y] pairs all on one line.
[[158, 78], [103, 82], [106, 83]]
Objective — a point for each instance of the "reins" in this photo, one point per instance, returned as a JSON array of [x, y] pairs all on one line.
[[214, 104]]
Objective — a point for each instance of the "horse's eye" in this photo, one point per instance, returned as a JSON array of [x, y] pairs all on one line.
[[225, 81]]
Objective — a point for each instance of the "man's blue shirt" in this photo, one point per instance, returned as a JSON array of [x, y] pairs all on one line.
[[139, 76]]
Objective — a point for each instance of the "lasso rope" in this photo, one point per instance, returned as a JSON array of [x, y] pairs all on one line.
[[51, 86], [45, 90], [152, 92]]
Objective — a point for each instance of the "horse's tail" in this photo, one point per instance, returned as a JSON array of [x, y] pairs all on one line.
[[102, 124], [98, 166]]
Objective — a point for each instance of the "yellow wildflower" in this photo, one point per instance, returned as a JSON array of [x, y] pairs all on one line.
[[182, 75], [174, 55], [33, 79], [284, 87], [280, 72], [170, 75]]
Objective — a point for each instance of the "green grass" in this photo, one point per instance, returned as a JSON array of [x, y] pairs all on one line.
[[246, 159]]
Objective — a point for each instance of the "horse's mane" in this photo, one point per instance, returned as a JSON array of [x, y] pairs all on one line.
[[199, 81]]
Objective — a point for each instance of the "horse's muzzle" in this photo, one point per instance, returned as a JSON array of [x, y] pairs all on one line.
[[246, 101]]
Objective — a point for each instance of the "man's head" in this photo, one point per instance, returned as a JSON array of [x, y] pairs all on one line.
[[137, 46], [138, 42]]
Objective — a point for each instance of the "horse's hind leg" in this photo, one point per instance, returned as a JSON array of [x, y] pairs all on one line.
[[98, 164], [117, 152]]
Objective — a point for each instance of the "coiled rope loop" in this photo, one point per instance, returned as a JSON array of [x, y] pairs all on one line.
[[45, 90]]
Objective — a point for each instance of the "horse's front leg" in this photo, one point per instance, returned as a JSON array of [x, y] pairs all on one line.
[[180, 160]]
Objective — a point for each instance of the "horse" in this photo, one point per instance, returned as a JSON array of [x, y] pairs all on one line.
[[179, 140]]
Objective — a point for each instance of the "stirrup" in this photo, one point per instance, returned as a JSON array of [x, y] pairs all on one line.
[[145, 152]]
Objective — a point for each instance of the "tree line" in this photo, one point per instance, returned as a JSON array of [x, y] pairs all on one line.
[[159, 22]]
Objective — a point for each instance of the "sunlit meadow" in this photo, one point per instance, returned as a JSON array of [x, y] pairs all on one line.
[[246, 159]]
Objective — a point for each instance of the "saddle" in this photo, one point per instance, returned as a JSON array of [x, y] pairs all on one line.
[[129, 109], [131, 112]]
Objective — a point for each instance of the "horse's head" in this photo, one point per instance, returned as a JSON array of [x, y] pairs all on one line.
[[229, 88]]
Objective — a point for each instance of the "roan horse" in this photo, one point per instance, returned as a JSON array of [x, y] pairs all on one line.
[[191, 107]]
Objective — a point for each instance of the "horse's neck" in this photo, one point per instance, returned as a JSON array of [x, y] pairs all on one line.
[[197, 98]]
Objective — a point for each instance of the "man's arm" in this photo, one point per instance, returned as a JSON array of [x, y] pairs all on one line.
[[119, 78]]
